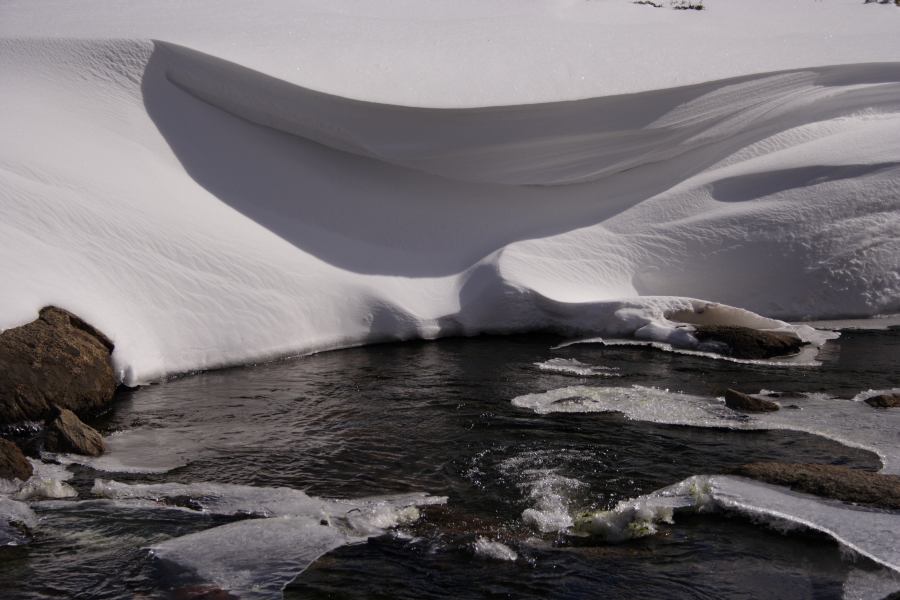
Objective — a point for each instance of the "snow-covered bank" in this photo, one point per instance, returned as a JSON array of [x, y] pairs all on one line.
[[204, 203]]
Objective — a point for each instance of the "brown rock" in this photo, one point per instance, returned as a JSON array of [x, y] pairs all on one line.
[[202, 592], [884, 400], [13, 464], [744, 342], [66, 433], [57, 359], [736, 400], [840, 483]]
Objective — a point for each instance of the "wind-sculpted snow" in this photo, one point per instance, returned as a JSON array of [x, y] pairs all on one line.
[[200, 204]]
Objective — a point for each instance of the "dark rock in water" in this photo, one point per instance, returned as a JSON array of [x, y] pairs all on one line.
[[13, 464], [744, 342], [736, 400], [884, 400], [57, 359], [66, 433], [840, 483]]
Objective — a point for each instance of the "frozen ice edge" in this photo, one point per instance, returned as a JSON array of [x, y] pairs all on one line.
[[870, 532], [288, 531]]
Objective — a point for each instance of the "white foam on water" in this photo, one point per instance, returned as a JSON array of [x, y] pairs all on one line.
[[571, 366], [493, 549], [12, 515], [548, 492], [851, 423], [48, 481]]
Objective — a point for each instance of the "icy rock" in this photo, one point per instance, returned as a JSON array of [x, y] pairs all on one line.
[[746, 342], [67, 433], [736, 400], [884, 401], [56, 359]]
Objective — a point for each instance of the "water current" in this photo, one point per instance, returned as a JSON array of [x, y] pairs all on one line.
[[412, 474]]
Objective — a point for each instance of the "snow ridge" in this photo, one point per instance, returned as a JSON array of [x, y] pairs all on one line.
[[203, 213]]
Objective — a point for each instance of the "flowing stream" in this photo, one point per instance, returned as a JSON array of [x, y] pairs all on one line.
[[411, 473]]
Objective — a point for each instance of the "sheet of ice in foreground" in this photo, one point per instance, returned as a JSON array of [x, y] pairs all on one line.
[[852, 423], [256, 558]]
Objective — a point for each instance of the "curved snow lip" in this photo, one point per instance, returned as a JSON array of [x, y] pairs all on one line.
[[255, 219]]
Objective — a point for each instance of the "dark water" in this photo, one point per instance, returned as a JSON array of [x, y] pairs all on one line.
[[436, 417]]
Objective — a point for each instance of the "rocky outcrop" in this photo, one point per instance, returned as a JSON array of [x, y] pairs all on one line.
[[840, 483], [66, 433], [13, 464], [887, 400], [747, 343], [736, 400], [56, 360]]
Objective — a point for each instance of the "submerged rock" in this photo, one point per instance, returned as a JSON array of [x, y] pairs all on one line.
[[56, 359], [748, 343], [67, 433], [887, 400], [13, 464], [830, 481], [736, 400]]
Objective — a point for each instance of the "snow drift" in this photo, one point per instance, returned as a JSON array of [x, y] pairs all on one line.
[[187, 182]]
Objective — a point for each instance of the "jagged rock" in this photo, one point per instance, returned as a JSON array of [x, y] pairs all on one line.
[[66, 433], [744, 342], [736, 400], [56, 359], [840, 483], [13, 464], [888, 400], [202, 592]]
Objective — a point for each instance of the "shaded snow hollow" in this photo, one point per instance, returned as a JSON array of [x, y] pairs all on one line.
[[177, 175]]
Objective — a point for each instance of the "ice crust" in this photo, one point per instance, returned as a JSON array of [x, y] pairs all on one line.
[[209, 184], [571, 366], [867, 531], [846, 421], [257, 557]]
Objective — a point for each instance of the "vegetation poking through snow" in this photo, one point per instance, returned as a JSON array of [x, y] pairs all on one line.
[[687, 4]]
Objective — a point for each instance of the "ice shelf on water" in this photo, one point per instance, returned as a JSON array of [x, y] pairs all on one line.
[[870, 532], [257, 557], [851, 423], [571, 366], [805, 358]]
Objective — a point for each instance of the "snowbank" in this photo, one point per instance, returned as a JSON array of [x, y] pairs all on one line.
[[277, 178]]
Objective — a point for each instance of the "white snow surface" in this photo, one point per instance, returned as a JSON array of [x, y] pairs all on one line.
[[221, 183]]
